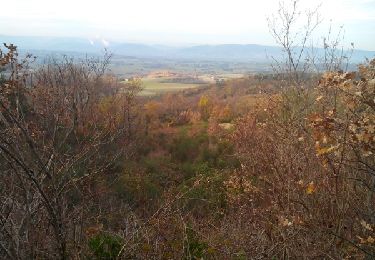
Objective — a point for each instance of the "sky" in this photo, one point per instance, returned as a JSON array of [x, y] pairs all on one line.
[[178, 22]]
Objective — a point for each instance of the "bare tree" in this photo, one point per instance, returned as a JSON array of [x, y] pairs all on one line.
[[54, 137], [293, 30], [285, 28]]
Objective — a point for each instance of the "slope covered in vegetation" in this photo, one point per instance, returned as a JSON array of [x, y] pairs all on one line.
[[243, 170]]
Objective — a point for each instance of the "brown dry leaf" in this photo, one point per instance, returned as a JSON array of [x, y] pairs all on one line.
[[311, 188], [366, 225], [326, 150]]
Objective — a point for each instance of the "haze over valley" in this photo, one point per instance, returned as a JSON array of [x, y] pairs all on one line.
[[189, 129]]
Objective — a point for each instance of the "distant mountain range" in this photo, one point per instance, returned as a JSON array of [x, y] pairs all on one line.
[[223, 52]]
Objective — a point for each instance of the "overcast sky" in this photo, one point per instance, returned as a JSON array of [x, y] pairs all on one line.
[[176, 21]]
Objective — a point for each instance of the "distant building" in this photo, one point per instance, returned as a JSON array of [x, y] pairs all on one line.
[[219, 81]]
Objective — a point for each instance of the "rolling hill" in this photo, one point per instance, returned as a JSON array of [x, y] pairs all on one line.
[[222, 52]]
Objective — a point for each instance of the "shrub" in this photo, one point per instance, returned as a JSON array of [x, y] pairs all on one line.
[[105, 246]]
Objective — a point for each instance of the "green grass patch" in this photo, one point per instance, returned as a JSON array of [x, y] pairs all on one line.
[[157, 86]]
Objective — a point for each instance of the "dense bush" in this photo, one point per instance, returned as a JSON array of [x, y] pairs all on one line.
[[226, 175]]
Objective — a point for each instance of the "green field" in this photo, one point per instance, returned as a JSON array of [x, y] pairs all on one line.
[[152, 86], [155, 86], [230, 75]]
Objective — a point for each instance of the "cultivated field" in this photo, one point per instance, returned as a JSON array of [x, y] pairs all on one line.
[[155, 86]]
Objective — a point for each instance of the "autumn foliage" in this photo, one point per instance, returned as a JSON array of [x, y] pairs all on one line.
[[241, 170], [309, 185]]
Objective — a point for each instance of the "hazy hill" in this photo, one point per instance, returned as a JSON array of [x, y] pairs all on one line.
[[241, 52], [225, 52]]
